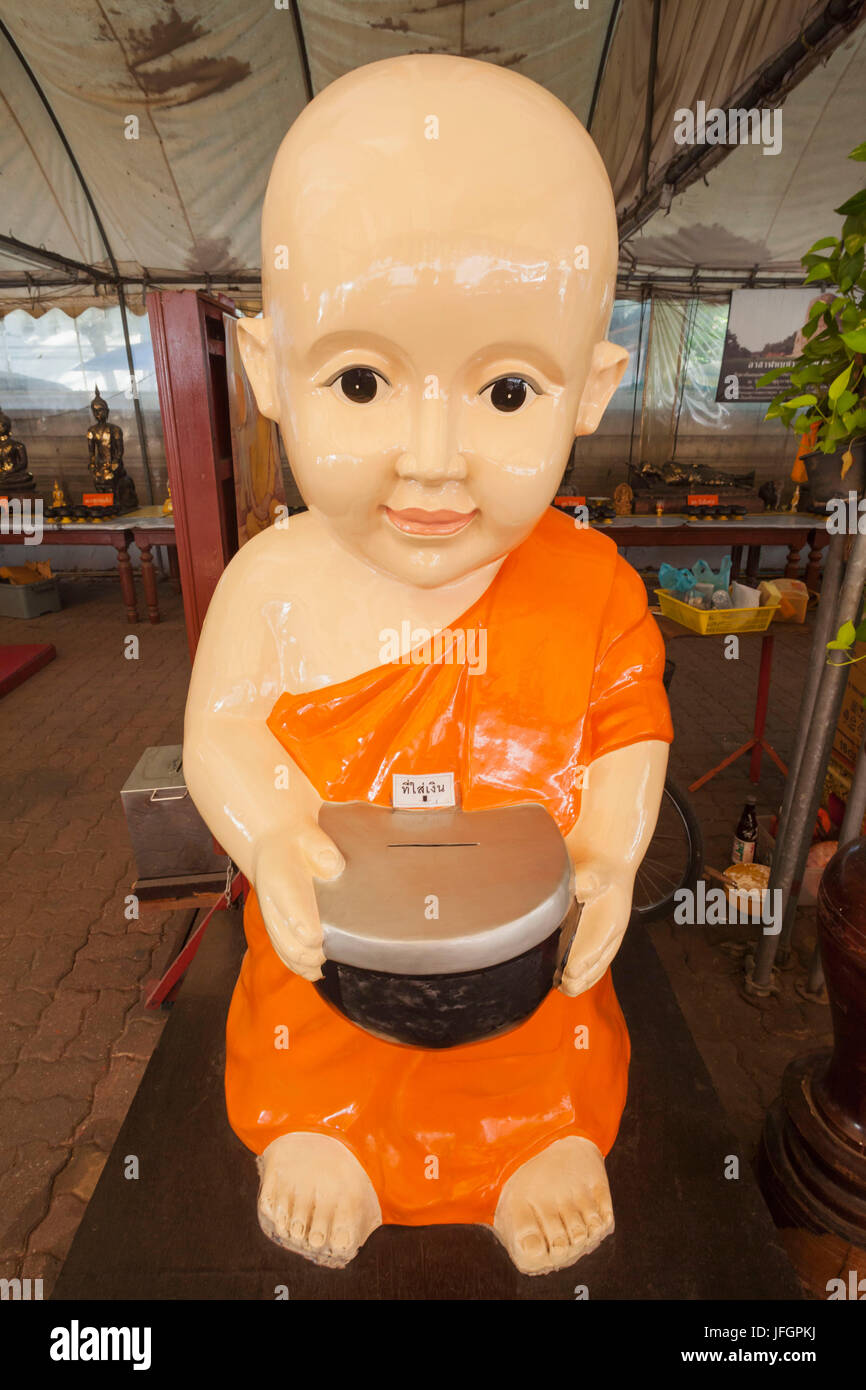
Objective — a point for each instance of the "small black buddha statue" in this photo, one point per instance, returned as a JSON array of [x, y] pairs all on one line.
[[15, 477]]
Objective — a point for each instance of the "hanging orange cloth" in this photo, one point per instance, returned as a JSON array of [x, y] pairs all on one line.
[[573, 670], [807, 444]]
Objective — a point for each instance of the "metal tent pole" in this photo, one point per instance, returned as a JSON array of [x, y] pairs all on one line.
[[790, 858], [855, 809], [824, 629], [831, 584], [115, 278], [136, 403]]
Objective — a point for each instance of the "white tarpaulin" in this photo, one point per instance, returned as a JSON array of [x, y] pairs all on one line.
[[172, 111], [763, 212]]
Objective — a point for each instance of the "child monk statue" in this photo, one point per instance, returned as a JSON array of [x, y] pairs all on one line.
[[439, 253]]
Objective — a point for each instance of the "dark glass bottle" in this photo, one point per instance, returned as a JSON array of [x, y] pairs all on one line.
[[746, 834]]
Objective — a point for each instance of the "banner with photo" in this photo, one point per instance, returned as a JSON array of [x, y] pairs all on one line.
[[763, 332]]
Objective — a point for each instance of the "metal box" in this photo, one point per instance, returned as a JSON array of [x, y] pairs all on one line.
[[29, 600], [169, 837]]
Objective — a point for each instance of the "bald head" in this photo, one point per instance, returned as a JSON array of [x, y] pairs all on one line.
[[428, 159], [439, 254]]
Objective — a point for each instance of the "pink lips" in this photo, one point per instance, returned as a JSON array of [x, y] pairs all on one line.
[[416, 521]]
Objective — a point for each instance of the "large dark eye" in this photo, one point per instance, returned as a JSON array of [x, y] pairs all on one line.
[[509, 393], [359, 384]]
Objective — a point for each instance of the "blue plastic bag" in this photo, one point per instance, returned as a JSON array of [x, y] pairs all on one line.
[[704, 575], [676, 581]]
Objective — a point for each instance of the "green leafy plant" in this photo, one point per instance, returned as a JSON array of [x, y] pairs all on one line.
[[826, 395], [844, 641]]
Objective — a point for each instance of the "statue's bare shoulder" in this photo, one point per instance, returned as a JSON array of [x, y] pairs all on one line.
[[275, 563], [279, 605]]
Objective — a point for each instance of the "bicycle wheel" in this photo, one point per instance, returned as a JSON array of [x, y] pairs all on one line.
[[673, 859]]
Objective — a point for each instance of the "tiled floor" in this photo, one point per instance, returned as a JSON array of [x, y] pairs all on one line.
[[746, 1043], [74, 1034]]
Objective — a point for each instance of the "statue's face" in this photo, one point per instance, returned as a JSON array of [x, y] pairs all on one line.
[[431, 339], [100, 413]]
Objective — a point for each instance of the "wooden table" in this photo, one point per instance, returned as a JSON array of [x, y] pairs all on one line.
[[112, 532], [145, 528], [771, 528], [188, 1229], [149, 527]]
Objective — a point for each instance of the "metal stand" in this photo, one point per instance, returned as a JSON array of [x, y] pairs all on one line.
[[819, 712], [757, 744], [167, 986]]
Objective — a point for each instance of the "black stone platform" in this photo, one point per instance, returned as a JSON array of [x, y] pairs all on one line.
[[187, 1229]]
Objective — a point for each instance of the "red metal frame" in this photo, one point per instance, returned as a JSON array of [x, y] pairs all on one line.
[[166, 987]]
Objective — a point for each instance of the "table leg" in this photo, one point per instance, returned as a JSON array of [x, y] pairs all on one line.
[[761, 704], [813, 564], [173, 567], [792, 569], [148, 579], [753, 565], [736, 562], [127, 584]]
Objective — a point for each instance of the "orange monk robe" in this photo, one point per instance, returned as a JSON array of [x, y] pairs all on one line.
[[574, 670]]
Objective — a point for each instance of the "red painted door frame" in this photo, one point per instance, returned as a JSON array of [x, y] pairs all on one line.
[[188, 336]]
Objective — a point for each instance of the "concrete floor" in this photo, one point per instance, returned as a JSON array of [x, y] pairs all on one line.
[[75, 1036]]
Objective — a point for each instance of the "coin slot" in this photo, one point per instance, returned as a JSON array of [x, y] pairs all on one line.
[[436, 844]]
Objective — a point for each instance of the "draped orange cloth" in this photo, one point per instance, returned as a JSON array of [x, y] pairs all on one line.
[[573, 670]]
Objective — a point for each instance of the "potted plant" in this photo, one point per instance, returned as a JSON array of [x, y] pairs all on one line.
[[825, 399]]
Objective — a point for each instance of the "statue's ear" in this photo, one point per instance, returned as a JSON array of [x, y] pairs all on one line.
[[254, 341], [608, 363]]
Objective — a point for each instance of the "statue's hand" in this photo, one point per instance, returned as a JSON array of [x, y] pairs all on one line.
[[284, 867], [606, 898]]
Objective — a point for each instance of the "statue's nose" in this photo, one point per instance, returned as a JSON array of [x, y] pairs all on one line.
[[431, 456], [430, 468]]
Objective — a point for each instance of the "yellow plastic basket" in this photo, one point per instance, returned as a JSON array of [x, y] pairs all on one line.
[[711, 622]]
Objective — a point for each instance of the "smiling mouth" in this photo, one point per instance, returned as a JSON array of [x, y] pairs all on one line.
[[416, 521]]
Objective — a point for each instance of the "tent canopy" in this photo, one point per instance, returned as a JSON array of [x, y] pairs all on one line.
[[136, 139]]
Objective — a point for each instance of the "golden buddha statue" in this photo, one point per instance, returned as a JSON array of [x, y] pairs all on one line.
[[623, 500], [14, 473], [105, 449]]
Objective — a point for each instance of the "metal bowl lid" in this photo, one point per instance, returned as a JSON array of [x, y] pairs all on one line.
[[443, 891]]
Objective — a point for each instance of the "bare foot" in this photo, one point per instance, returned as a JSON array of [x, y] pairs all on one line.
[[555, 1208], [316, 1199]]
